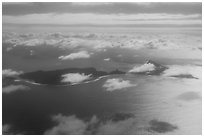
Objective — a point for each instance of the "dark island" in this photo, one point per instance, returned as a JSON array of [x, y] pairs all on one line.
[[54, 77]]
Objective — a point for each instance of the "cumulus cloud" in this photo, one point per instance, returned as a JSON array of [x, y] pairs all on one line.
[[178, 70], [107, 59], [75, 77], [143, 68], [77, 55], [69, 125], [10, 73], [13, 88], [33, 42], [116, 84], [128, 126]]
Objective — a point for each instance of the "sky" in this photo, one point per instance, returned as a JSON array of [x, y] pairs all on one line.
[[103, 14]]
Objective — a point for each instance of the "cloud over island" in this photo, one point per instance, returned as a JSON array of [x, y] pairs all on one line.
[[75, 78], [117, 84], [77, 55]]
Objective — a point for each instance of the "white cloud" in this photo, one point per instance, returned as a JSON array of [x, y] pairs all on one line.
[[107, 59], [75, 77], [143, 68], [10, 73], [176, 70], [77, 55], [69, 125], [128, 126], [13, 88], [116, 84], [172, 46], [33, 42]]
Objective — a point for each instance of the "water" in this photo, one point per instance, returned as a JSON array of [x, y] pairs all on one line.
[[153, 98]]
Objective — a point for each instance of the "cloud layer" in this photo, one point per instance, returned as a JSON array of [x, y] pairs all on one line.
[[117, 84], [104, 13], [75, 77], [97, 42], [149, 19]]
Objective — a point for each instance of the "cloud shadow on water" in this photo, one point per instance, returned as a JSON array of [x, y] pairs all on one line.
[[188, 96], [161, 127]]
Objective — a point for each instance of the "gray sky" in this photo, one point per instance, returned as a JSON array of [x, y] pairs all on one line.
[[105, 14]]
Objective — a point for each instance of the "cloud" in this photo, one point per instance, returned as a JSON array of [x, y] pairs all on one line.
[[117, 84], [69, 41], [10, 73], [75, 77], [107, 59], [6, 129], [107, 19], [13, 88], [32, 42], [189, 46], [179, 70], [69, 125], [143, 68], [78, 55]]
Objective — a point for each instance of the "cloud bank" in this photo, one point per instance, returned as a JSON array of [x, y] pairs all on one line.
[[75, 77], [117, 84], [13, 88], [78, 55], [98, 42]]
